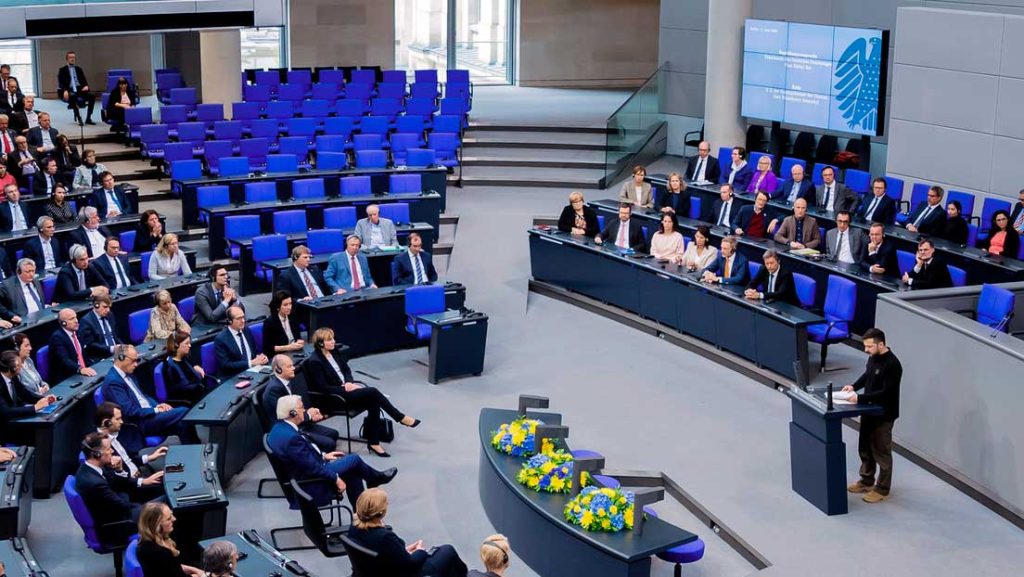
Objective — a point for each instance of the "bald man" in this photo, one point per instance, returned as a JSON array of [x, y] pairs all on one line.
[[67, 355], [703, 167]]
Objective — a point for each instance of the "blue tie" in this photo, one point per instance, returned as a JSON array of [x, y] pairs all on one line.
[[35, 297], [108, 336]]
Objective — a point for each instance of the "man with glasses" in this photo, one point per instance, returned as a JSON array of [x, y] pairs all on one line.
[[928, 217], [235, 346], [928, 272], [843, 244], [214, 298], [878, 207], [703, 167], [153, 418]]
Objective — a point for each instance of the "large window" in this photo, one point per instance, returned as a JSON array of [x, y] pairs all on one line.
[[18, 54], [474, 35], [261, 48]]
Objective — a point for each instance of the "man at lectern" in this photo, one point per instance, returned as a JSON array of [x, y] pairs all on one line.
[[880, 385]]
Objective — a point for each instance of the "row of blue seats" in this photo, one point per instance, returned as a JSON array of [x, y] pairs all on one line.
[[333, 91], [351, 76]]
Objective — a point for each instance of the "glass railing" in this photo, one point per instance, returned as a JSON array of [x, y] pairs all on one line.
[[631, 126]]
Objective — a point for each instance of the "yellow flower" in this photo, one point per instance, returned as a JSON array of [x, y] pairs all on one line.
[[608, 492], [533, 482], [557, 484], [565, 470], [628, 517], [576, 509], [547, 467], [587, 519], [601, 512], [586, 500], [606, 524], [613, 509]]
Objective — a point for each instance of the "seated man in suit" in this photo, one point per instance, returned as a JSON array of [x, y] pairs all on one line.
[[235, 346], [729, 267], [878, 207], [12, 101], [152, 418], [73, 88], [880, 257], [301, 280], [90, 235], [284, 382], [929, 272], [45, 249], [97, 330], [112, 265], [843, 244], [21, 162], [27, 119], [414, 266], [113, 501], [129, 459], [214, 298], [349, 270], [753, 220], [77, 281], [17, 402], [799, 230], [43, 138], [375, 231], [44, 182], [109, 199], [67, 356], [703, 167], [723, 209], [305, 462], [772, 283], [835, 196], [928, 217], [7, 139], [21, 294], [796, 186], [626, 233], [13, 214]]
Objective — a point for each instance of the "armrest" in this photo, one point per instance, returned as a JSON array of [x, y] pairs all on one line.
[[975, 219], [122, 530], [904, 206]]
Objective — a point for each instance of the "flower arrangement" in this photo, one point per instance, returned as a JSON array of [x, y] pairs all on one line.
[[601, 509], [518, 438], [550, 471]]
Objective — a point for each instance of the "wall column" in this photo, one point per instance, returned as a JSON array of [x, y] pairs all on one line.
[[221, 53], [723, 125]]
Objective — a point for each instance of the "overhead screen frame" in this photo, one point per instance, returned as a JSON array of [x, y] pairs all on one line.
[[827, 125]]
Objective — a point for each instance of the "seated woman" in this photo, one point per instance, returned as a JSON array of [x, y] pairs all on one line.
[[494, 553], [676, 197], [636, 191], [955, 227], [220, 559], [88, 174], [395, 558], [763, 180], [59, 209], [164, 318], [327, 372], [667, 243], [739, 172], [121, 98], [167, 260], [66, 155], [156, 551], [699, 254], [578, 219], [29, 376], [149, 232], [183, 380], [1002, 237], [281, 330]]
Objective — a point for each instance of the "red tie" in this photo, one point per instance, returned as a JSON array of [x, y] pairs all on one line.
[[78, 351], [356, 283], [621, 241], [7, 143]]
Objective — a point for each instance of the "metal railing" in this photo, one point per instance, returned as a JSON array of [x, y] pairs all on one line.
[[633, 125]]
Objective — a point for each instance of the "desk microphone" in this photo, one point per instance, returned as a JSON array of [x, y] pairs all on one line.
[[1002, 325], [829, 397]]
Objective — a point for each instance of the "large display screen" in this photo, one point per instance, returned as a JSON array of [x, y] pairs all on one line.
[[827, 77]]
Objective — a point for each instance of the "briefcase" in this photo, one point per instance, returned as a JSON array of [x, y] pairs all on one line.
[[387, 429]]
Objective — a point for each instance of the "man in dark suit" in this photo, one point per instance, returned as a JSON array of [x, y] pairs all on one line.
[[234, 346], [110, 200], [12, 100], [127, 443], [928, 272], [623, 232], [723, 209], [928, 217], [1017, 216], [414, 266], [152, 418], [843, 244], [13, 216], [21, 162], [67, 355], [77, 281], [796, 186], [73, 88], [97, 330], [7, 138], [283, 383], [753, 220], [703, 167], [880, 257], [28, 118], [305, 463], [772, 282], [44, 182], [21, 294], [15, 401], [214, 298], [43, 138], [90, 235], [878, 207], [112, 265], [302, 281], [729, 267]]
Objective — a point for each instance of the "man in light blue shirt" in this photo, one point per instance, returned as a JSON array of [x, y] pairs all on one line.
[[375, 231]]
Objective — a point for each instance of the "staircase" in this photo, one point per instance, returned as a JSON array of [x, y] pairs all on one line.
[[533, 156], [128, 165]]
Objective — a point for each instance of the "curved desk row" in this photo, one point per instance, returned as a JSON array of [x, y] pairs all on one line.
[[534, 521], [258, 558], [15, 494], [18, 559]]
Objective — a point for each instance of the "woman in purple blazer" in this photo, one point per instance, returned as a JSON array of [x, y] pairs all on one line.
[[763, 180]]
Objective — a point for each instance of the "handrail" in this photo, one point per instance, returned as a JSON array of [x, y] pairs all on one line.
[[635, 92], [631, 128]]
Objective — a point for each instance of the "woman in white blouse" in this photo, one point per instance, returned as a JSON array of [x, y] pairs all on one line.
[[29, 375], [167, 260], [667, 243], [699, 255]]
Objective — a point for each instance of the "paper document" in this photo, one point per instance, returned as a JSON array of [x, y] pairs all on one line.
[[842, 395]]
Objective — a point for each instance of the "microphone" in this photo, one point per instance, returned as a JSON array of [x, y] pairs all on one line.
[[1002, 325], [829, 397]]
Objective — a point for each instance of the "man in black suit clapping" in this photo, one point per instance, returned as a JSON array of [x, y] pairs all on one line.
[[776, 284]]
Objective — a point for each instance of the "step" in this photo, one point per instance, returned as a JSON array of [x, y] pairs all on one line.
[[532, 176], [475, 160], [543, 139], [540, 157], [483, 126], [501, 143], [132, 170]]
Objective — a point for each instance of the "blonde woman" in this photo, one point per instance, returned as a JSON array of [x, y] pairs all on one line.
[[494, 553], [168, 260], [676, 198], [165, 319], [157, 553], [577, 218]]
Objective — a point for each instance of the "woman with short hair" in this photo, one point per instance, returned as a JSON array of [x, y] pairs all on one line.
[[577, 218], [168, 260], [494, 553]]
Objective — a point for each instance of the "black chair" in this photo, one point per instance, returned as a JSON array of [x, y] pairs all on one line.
[[332, 405], [694, 142], [755, 139], [265, 423], [357, 556], [803, 148], [326, 536], [284, 479], [826, 150]]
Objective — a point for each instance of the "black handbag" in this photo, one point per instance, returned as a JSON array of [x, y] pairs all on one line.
[[387, 429]]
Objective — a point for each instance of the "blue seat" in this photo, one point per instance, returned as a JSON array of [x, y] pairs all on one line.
[[387, 108], [49, 287], [179, 162], [185, 97], [290, 221], [394, 76], [325, 241], [840, 307], [127, 239], [363, 76], [463, 90], [371, 141], [84, 519], [815, 173], [371, 159], [302, 77], [145, 264], [410, 125], [918, 194], [211, 113], [351, 108], [281, 163], [330, 143], [268, 78], [753, 268], [446, 148], [398, 212], [355, 185], [360, 92], [966, 201], [418, 157], [995, 307], [695, 208], [327, 91], [43, 361], [420, 89], [906, 261], [132, 567], [394, 272], [135, 118], [317, 109], [308, 188], [152, 139], [233, 166], [187, 308], [270, 247], [391, 90], [340, 217], [405, 183], [331, 75], [257, 334], [423, 108], [340, 126], [291, 92], [400, 145], [375, 125], [331, 161], [421, 300], [245, 112], [304, 127], [138, 324], [806, 289], [261, 191], [208, 358], [213, 151], [207, 196], [298, 146], [194, 133], [256, 150], [426, 75], [858, 180], [680, 554], [242, 227], [265, 128], [894, 188], [172, 116], [988, 208], [448, 123], [957, 275], [600, 222]]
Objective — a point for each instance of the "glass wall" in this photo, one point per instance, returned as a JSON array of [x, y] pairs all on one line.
[[18, 54], [261, 48]]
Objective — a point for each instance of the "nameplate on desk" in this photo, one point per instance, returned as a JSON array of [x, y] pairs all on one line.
[[553, 241]]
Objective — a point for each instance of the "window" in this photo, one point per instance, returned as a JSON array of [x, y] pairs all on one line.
[[261, 48], [18, 54]]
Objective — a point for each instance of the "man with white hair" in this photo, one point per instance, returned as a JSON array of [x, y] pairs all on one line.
[[77, 281], [91, 235]]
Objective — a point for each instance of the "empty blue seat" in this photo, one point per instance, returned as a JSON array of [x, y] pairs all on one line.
[[371, 159], [230, 130], [680, 554], [410, 125], [304, 127], [420, 89], [291, 92], [418, 157], [420, 300], [446, 148], [340, 217], [256, 150], [957, 275], [187, 308], [325, 241], [894, 188], [296, 145], [281, 111], [331, 161], [153, 138], [214, 150], [368, 142], [400, 144], [207, 196], [806, 289], [374, 125], [394, 76], [339, 125], [257, 94], [995, 307], [233, 166], [138, 324], [351, 108], [360, 92], [448, 123], [906, 261], [184, 97], [405, 183], [127, 239], [290, 221], [426, 75], [457, 75], [268, 78], [840, 307], [387, 107], [261, 191], [330, 143], [208, 358], [281, 163], [316, 108], [397, 212], [301, 77], [210, 113], [327, 91], [332, 76], [241, 227], [270, 247], [391, 90], [421, 107], [455, 106], [172, 116], [193, 133], [858, 180], [363, 76], [245, 112], [308, 188], [185, 169], [355, 185], [462, 90]]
